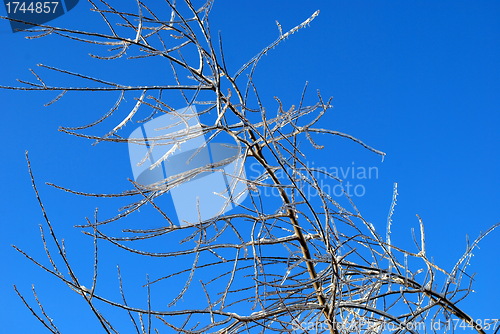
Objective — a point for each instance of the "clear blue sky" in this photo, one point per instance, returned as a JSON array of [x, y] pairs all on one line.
[[419, 80]]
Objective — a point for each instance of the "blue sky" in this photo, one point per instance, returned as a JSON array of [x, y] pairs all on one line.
[[418, 80]]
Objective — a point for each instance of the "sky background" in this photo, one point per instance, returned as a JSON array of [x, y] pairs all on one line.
[[419, 80]]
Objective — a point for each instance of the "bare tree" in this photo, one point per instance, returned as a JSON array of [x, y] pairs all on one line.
[[303, 263]]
